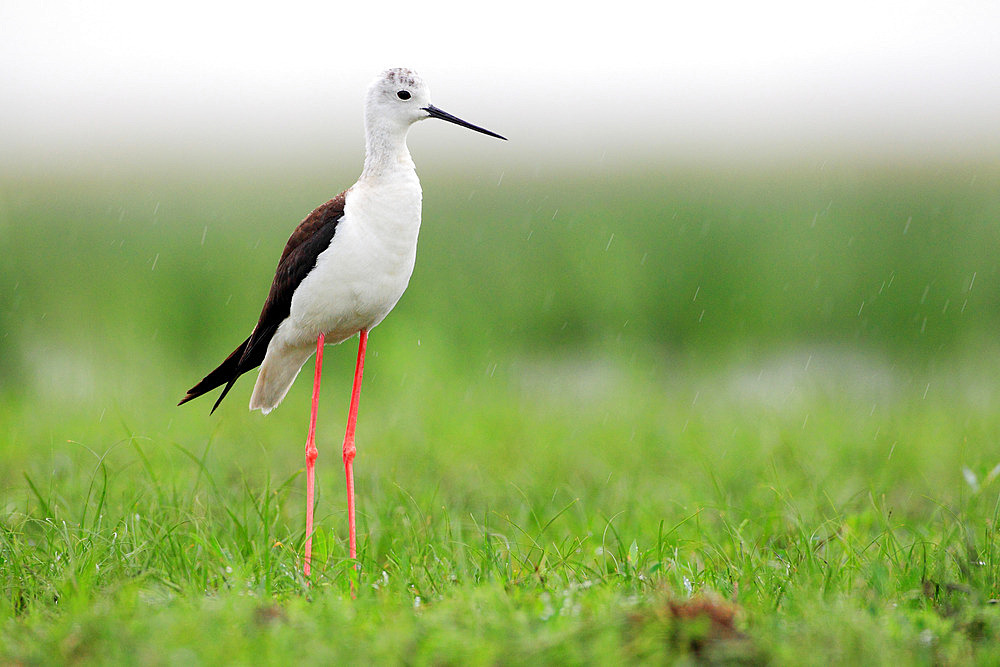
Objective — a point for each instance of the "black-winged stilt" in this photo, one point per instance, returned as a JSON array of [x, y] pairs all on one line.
[[341, 272]]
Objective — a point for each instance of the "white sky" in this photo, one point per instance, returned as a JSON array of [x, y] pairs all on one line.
[[720, 77]]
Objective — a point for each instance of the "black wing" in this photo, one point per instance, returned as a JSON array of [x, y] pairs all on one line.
[[309, 239]]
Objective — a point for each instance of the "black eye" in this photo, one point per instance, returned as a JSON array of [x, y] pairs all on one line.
[[403, 94]]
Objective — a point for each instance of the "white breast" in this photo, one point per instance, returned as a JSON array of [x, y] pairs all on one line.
[[366, 269]]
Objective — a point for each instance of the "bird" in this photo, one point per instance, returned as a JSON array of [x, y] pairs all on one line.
[[343, 269]]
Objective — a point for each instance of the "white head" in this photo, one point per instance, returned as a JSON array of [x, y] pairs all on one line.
[[398, 98]]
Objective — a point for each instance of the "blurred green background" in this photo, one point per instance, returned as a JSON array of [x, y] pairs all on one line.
[[110, 282], [537, 291]]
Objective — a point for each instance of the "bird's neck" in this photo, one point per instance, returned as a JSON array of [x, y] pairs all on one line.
[[386, 154]]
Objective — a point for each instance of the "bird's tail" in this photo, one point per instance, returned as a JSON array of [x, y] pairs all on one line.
[[225, 374], [277, 373]]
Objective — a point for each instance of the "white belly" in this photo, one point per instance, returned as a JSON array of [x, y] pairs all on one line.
[[361, 276], [355, 283]]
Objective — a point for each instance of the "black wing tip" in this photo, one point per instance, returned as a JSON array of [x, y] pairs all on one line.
[[191, 395], [229, 370]]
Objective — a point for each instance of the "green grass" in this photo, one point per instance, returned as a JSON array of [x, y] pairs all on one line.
[[719, 416]]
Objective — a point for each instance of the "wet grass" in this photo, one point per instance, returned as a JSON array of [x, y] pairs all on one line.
[[585, 436]]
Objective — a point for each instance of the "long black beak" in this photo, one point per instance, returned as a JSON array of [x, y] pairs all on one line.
[[444, 115]]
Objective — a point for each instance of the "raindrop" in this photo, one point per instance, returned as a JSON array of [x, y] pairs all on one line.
[[155, 260], [906, 227], [609, 242], [204, 233], [970, 478]]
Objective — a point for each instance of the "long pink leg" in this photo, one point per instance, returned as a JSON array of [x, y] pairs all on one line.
[[349, 449], [311, 454]]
